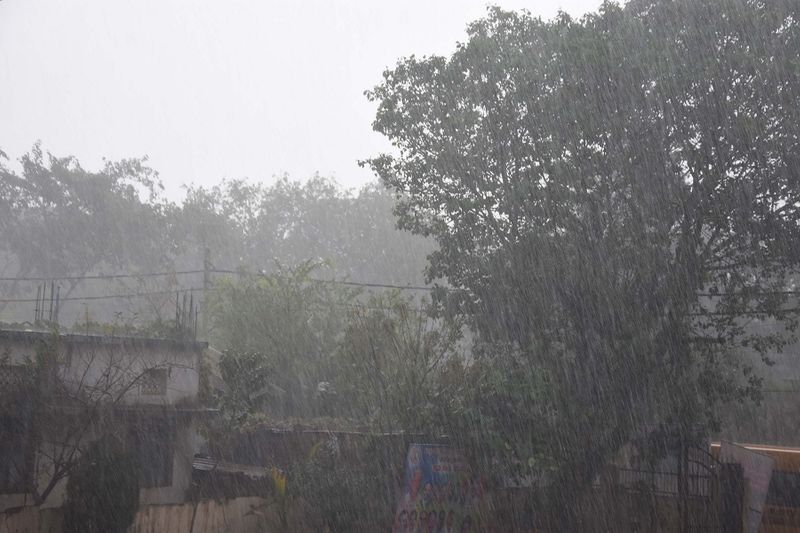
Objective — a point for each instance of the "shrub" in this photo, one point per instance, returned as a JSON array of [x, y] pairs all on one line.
[[103, 490]]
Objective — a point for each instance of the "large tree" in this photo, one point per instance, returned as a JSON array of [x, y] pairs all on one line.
[[289, 222], [60, 221], [610, 196]]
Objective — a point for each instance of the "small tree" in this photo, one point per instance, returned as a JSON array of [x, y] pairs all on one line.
[[279, 332], [297, 347], [103, 490], [388, 364], [347, 491]]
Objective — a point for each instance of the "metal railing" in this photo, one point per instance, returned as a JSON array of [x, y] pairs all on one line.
[[666, 483]]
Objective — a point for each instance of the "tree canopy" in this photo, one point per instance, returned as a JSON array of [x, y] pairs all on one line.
[[612, 196], [288, 223], [298, 348], [59, 220]]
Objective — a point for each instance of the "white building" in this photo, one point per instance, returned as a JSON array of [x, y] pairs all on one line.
[[58, 393]]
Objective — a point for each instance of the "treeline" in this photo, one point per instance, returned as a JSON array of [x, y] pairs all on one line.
[[62, 222], [615, 203], [297, 349]]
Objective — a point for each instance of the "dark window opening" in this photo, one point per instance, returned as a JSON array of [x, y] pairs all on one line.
[[152, 442], [784, 489], [15, 455]]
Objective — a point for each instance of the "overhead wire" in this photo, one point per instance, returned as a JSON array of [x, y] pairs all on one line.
[[172, 291], [209, 271], [332, 281], [242, 273], [106, 296]]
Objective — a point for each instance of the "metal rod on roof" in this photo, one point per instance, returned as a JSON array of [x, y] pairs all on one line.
[[52, 289], [189, 325], [183, 314], [36, 309], [58, 301]]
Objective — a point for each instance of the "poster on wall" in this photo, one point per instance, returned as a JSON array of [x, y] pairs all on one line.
[[439, 494]]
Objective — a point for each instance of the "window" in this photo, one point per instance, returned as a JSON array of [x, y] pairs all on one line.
[[15, 455], [784, 489], [152, 442]]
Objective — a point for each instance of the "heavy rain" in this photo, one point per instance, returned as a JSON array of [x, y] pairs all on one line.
[[353, 266]]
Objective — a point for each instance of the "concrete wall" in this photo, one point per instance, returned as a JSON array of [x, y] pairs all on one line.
[[87, 362], [243, 515], [187, 443], [31, 520]]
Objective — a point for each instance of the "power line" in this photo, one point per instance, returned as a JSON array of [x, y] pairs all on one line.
[[198, 289], [332, 281], [212, 271], [105, 296], [377, 285], [201, 289], [135, 295], [374, 285]]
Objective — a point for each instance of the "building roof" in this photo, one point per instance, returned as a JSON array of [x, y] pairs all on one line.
[[32, 336]]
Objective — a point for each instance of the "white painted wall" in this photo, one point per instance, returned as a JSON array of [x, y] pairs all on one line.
[[108, 370]]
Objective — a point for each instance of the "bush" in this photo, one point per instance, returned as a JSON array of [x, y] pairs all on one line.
[[102, 491], [348, 493]]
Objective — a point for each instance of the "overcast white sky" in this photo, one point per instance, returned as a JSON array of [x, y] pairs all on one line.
[[214, 89]]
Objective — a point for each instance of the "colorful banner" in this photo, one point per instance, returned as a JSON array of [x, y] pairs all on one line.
[[440, 495]]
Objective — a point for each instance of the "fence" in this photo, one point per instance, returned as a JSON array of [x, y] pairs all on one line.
[[243, 515], [651, 500], [663, 483]]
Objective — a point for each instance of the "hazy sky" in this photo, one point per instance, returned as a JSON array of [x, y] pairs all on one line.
[[215, 89]]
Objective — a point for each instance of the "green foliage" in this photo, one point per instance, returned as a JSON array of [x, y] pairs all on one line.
[[295, 347], [388, 364], [244, 224], [615, 196], [102, 491], [278, 332], [349, 492], [247, 378], [59, 219], [494, 408], [65, 220]]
